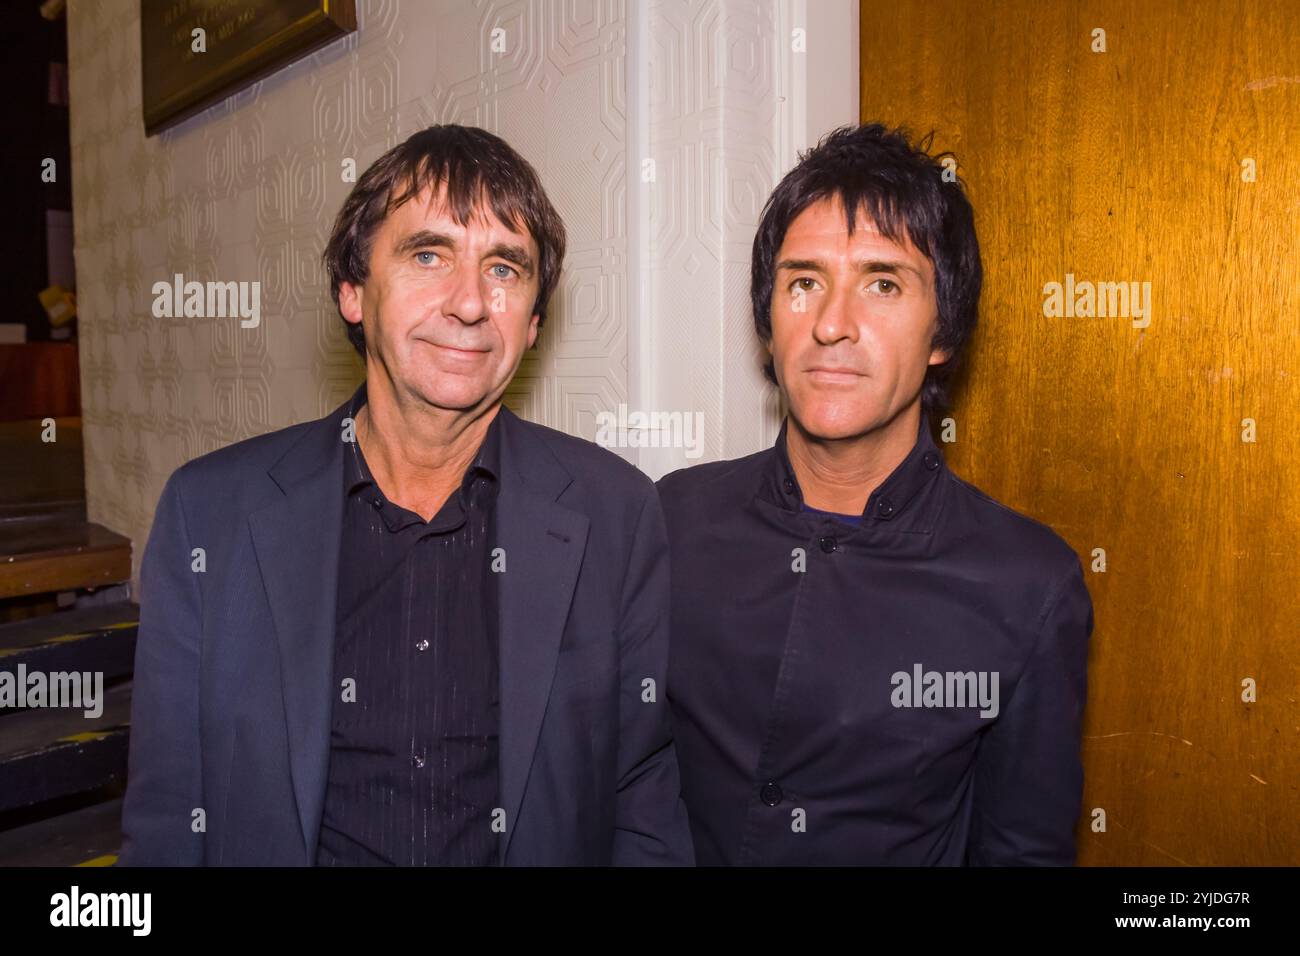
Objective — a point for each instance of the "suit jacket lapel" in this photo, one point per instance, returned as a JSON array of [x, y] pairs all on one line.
[[297, 541], [543, 544]]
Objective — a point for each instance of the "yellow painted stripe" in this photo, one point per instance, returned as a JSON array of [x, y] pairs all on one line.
[[81, 738], [65, 638], [108, 860]]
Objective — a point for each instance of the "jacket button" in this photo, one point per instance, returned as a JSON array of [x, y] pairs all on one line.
[[827, 544], [788, 486], [884, 508], [931, 460], [771, 794]]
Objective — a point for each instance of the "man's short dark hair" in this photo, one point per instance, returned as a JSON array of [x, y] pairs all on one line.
[[903, 190], [474, 164]]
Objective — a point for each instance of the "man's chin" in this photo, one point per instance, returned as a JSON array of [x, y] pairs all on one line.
[[452, 397], [829, 421]]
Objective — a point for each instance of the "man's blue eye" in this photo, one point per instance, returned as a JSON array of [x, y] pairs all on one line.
[[424, 262], [501, 265]]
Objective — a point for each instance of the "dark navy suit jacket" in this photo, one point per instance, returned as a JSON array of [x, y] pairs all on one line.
[[234, 673]]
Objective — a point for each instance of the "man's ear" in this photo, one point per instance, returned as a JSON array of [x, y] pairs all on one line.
[[532, 330], [937, 355], [350, 302]]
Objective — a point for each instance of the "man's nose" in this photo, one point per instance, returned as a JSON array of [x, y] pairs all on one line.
[[834, 321], [465, 300]]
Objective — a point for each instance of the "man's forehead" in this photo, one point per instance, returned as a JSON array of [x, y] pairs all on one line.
[[429, 208], [823, 223]]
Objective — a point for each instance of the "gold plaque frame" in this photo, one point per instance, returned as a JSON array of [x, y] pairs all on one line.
[[246, 40]]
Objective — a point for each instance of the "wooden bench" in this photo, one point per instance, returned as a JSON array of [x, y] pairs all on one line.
[[42, 555]]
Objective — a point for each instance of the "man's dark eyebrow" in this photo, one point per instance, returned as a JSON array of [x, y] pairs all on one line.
[[425, 238], [422, 239], [894, 266], [511, 252]]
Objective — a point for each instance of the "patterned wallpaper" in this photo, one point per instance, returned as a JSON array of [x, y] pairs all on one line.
[[248, 189], [652, 309]]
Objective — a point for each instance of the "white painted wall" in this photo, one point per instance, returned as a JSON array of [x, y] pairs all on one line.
[[722, 104]]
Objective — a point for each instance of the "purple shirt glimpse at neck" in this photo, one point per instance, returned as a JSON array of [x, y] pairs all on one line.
[[848, 519]]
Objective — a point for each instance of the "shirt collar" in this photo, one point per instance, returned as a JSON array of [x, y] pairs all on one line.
[[891, 499], [487, 463]]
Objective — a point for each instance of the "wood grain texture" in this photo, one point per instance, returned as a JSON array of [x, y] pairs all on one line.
[[38, 556], [1126, 165]]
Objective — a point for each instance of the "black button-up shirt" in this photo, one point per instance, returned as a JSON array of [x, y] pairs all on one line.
[[413, 776], [904, 690]]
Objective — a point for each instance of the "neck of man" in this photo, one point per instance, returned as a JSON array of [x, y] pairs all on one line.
[[416, 452], [840, 474]]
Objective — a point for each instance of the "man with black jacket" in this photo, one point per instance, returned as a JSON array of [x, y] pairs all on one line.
[[872, 662]]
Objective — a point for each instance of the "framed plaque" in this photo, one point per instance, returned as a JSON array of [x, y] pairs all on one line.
[[197, 52]]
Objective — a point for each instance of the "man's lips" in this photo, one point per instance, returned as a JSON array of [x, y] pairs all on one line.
[[457, 350], [833, 373]]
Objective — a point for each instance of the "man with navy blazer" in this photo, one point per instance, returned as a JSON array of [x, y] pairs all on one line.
[[419, 630]]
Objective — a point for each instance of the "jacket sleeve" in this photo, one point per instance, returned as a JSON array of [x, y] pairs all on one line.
[[651, 827], [163, 776], [1029, 775]]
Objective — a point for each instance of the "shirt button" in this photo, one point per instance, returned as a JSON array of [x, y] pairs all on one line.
[[827, 544], [931, 460], [771, 794], [884, 508], [376, 502], [788, 486], [417, 760], [422, 645]]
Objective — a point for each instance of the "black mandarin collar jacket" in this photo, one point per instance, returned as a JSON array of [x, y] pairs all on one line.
[[803, 646]]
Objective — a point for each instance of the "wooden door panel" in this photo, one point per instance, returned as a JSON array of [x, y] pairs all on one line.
[[1127, 166]]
